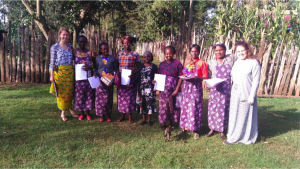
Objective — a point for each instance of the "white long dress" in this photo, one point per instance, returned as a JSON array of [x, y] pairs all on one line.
[[242, 127]]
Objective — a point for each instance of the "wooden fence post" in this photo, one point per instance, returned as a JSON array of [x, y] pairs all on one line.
[[264, 70], [290, 67], [279, 77], [293, 80], [7, 60], [32, 52], [37, 60], [270, 75], [42, 56]]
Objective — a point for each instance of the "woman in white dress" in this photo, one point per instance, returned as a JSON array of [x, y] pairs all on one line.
[[245, 77]]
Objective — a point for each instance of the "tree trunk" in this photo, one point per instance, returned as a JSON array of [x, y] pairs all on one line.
[[171, 23], [37, 61], [33, 51], [106, 32], [47, 61], [10, 50], [183, 27], [13, 65], [27, 56], [40, 21], [190, 23], [2, 56], [23, 54], [19, 60], [41, 57], [7, 61], [179, 26]]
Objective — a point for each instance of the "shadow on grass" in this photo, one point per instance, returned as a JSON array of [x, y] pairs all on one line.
[[273, 123]]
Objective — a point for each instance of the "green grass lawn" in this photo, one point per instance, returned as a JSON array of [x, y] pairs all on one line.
[[33, 135]]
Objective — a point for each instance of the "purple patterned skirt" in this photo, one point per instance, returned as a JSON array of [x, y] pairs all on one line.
[[191, 108], [164, 108], [126, 99], [104, 99], [84, 96], [219, 101]]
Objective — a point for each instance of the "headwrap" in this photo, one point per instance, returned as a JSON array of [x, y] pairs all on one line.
[[148, 53], [221, 44], [128, 38]]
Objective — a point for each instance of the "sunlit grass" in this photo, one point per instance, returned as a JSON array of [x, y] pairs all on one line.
[[33, 135]]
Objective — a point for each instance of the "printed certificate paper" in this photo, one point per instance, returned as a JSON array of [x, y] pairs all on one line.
[[160, 82], [80, 74], [125, 80]]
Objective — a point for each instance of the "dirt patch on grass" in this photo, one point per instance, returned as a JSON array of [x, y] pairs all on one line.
[[13, 86]]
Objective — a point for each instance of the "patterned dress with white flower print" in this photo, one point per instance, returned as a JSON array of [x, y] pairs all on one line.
[[84, 94], [146, 97], [219, 100]]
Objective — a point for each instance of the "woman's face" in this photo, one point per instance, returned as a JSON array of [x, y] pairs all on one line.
[[64, 36], [127, 44], [104, 50], [241, 52], [81, 42], [194, 53], [147, 58], [169, 54], [219, 52]]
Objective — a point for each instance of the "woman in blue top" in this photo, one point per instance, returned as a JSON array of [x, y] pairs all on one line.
[[62, 72], [105, 63]]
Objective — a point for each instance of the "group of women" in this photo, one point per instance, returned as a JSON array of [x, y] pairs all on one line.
[[232, 104]]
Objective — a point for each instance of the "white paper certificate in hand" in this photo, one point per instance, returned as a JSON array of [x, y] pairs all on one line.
[[212, 83], [94, 81], [160, 82], [125, 80], [80, 73]]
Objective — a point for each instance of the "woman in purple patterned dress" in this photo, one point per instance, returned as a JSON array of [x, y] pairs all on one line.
[[192, 93], [84, 94], [105, 63], [128, 59], [219, 97], [172, 68], [146, 98]]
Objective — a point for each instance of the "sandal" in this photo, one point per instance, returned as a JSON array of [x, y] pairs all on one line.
[[130, 121], [196, 136], [209, 134], [121, 119], [81, 117], [181, 132], [227, 143], [149, 123], [143, 122], [88, 117], [64, 118], [108, 120], [101, 119], [222, 137], [74, 115]]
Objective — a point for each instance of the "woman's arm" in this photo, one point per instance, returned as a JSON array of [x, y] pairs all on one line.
[[255, 82], [177, 87], [53, 57]]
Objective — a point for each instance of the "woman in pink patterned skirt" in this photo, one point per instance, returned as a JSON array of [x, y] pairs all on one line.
[[84, 94], [128, 59], [105, 63]]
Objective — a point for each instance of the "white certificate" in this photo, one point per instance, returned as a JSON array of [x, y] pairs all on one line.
[[125, 80], [94, 81], [211, 83], [160, 82], [80, 73]]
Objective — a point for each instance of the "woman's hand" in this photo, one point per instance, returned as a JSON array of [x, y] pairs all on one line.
[[153, 82], [85, 67], [128, 86], [175, 93], [157, 92], [250, 103], [95, 74], [51, 78]]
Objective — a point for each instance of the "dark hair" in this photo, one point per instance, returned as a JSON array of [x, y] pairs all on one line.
[[221, 44], [148, 53], [249, 49], [101, 44], [172, 49], [195, 46], [81, 36], [128, 38]]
